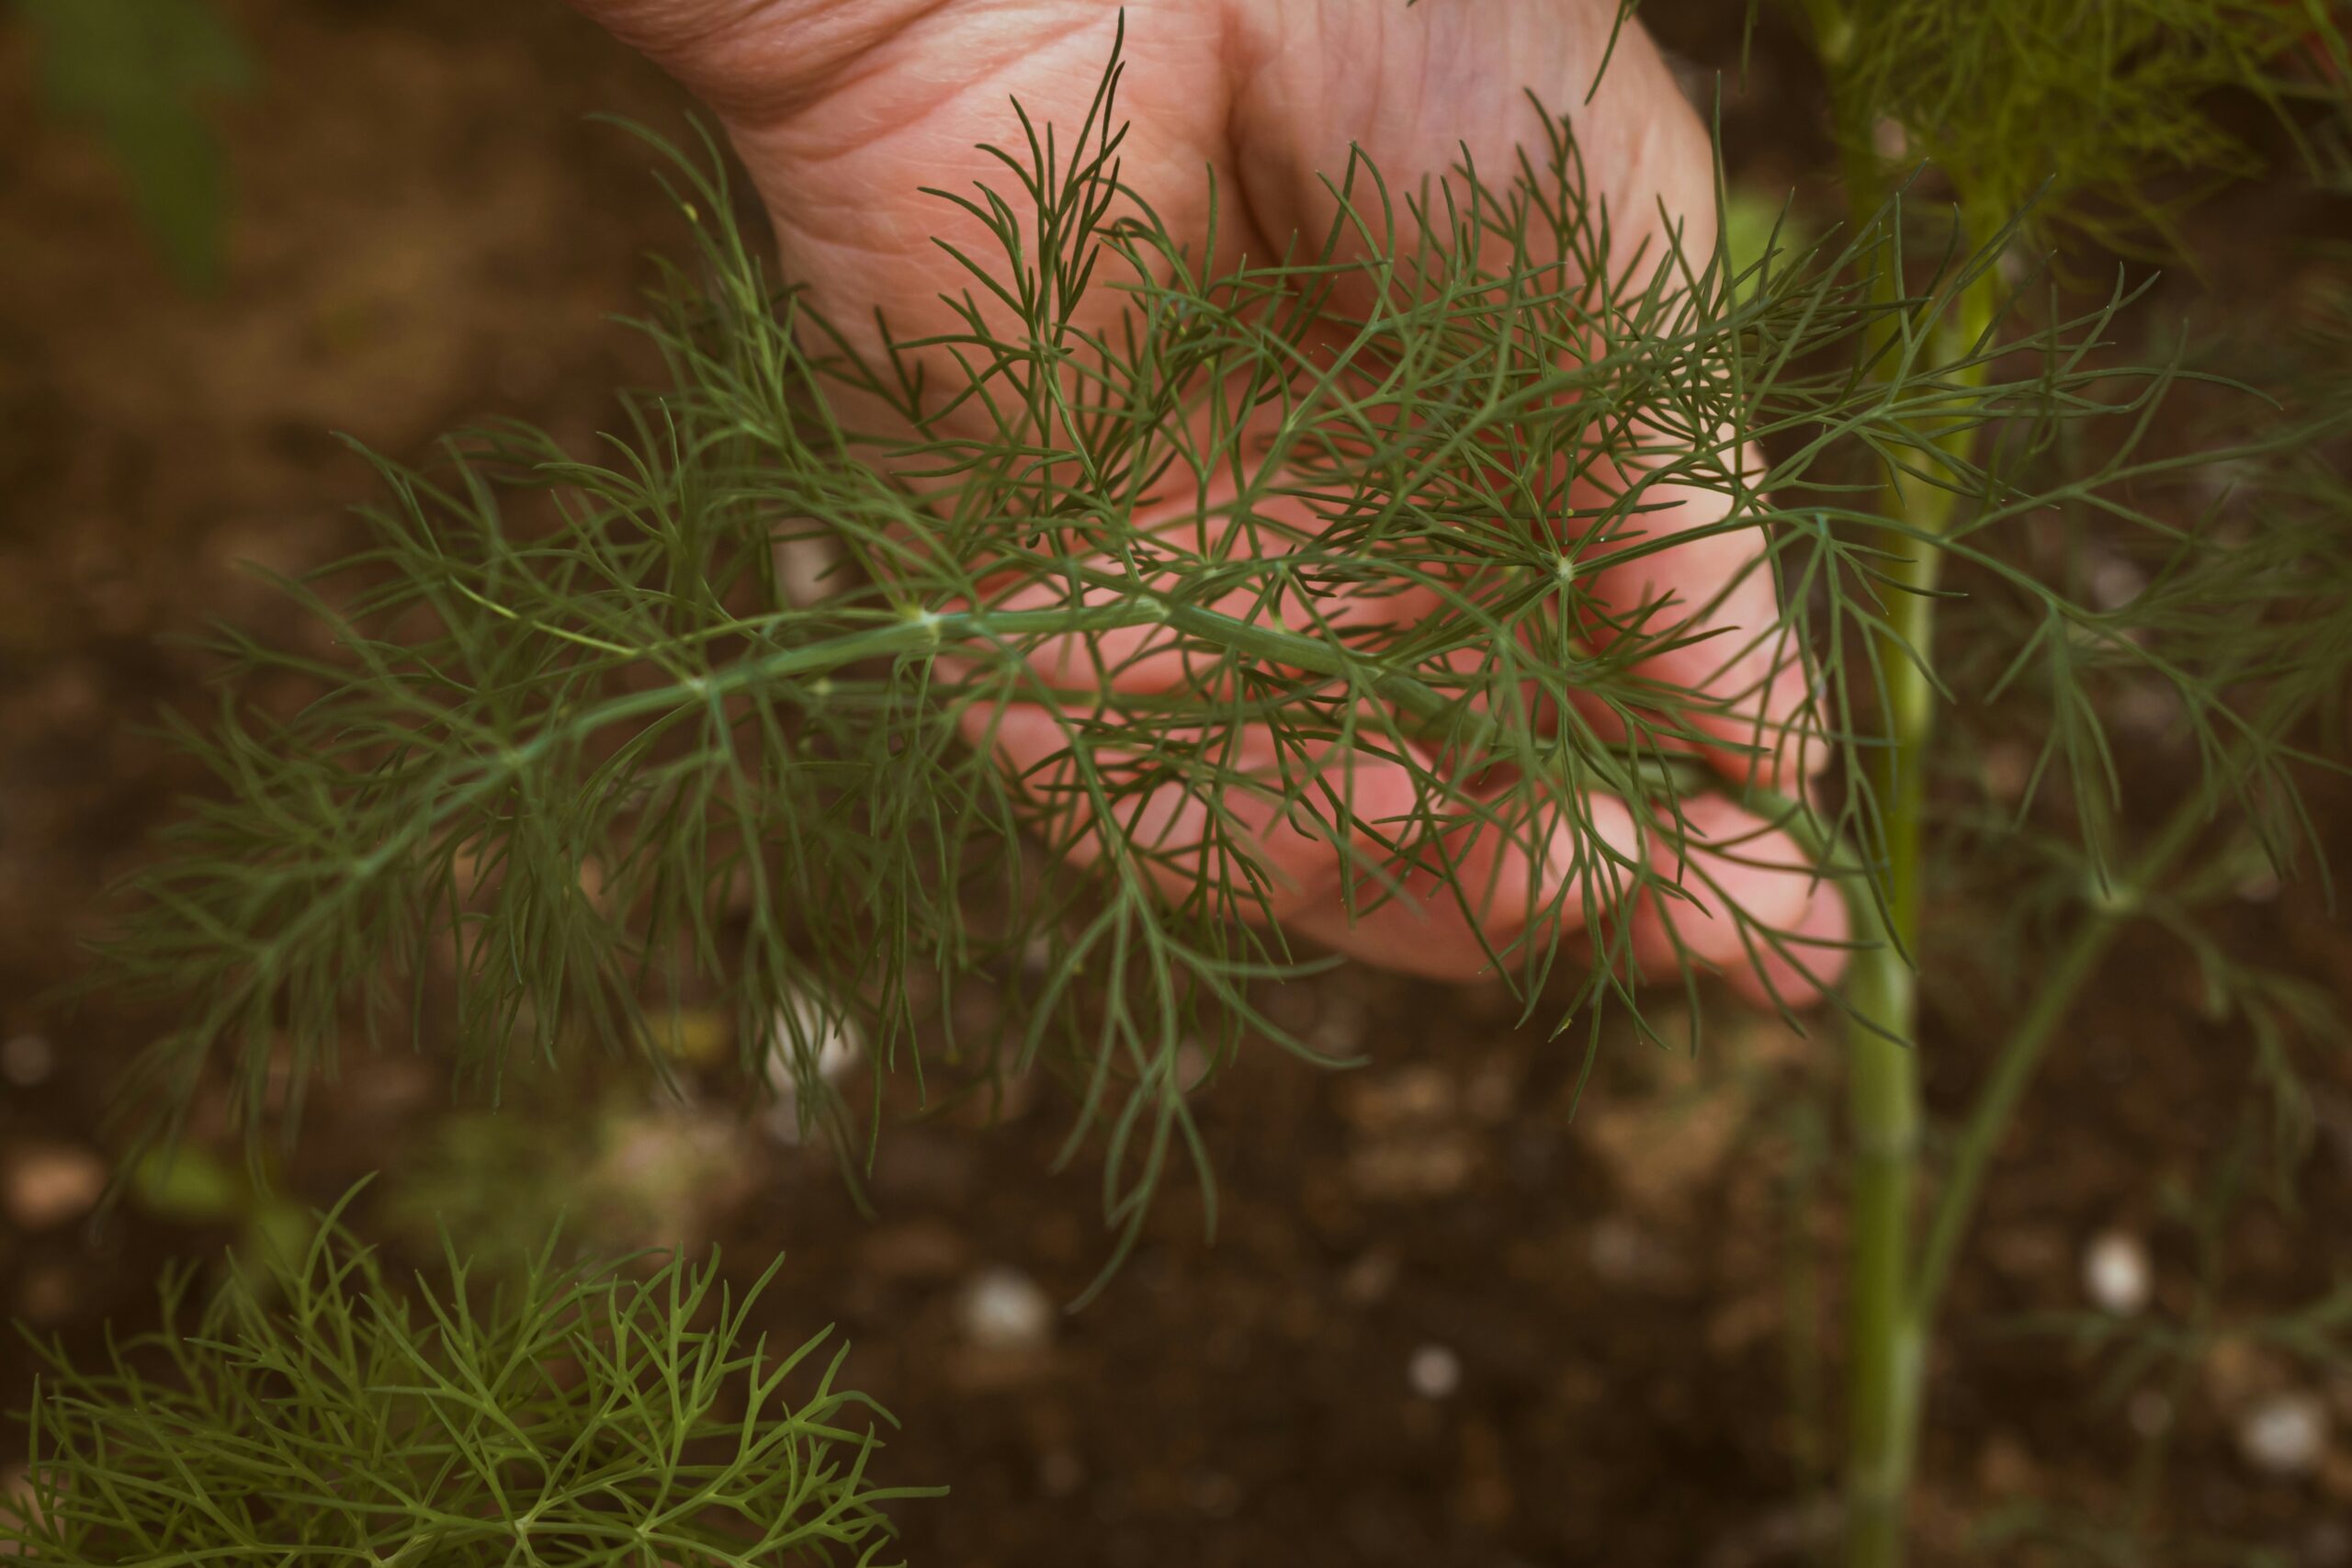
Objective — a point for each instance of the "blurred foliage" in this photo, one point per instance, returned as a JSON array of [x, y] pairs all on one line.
[[571, 1416], [2105, 115], [138, 73], [2161, 1359], [194, 1185], [1761, 230], [614, 1165]]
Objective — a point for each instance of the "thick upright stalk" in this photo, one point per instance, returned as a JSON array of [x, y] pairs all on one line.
[[1885, 1340], [1883, 1106]]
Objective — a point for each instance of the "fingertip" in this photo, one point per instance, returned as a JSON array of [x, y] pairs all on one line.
[[1592, 860], [1726, 887], [1809, 960], [1500, 893], [1784, 750]]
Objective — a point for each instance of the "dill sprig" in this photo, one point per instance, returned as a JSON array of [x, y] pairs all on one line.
[[583, 745], [318, 1411]]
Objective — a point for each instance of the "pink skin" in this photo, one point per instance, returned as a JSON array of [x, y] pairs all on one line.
[[841, 109]]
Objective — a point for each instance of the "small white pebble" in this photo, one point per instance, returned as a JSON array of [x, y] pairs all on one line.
[[2116, 1273], [839, 1051], [1434, 1371], [1004, 1310], [48, 1184], [2285, 1434], [803, 568], [26, 1060], [2225, 481], [2115, 583]]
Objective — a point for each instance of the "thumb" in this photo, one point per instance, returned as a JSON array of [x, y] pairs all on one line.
[[753, 61]]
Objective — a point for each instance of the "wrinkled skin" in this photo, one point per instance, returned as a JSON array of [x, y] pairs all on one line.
[[841, 109]]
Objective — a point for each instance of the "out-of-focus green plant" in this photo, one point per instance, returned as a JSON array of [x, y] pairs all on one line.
[[2099, 113], [572, 1416], [188, 1184], [2158, 1360], [612, 1167], [140, 74]]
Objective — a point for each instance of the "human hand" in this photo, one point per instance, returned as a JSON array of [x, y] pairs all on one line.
[[843, 109]]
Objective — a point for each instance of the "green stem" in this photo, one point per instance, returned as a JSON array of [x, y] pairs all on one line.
[[1883, 1114], [2021, 1053], [1886, 1342], [1436, 715], [1895, 1306]]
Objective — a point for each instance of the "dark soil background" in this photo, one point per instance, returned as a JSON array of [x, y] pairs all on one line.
[[1442, 1323]]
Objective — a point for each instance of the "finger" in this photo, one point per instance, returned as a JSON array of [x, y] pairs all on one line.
[[754, 61], [865, 177], [1416, 92], [1159, 810], [1497, 894], [1436, 894], [1196, 535], [1701, 604], [1732, 892]]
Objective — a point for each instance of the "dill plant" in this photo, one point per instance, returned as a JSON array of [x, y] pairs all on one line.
[[583, 748], [576, 1414], [2086, 108]]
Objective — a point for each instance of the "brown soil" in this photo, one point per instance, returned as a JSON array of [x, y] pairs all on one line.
[[427, 234]]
